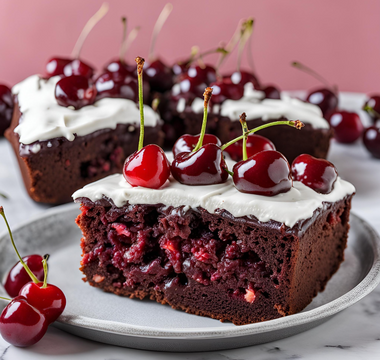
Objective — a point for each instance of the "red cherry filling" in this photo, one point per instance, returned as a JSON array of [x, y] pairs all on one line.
[[147, 167], [6, 107], [55, 66], [78, 67], [18, 277], [266, 173], [159, 75], [325, 99], [347, 126], [21, 324], [255, 144], [223, 90], [205, 166], [318, 174], [50, 300], [187, 143], [116, 85], [75, 91], [372, 106], [371, 140]]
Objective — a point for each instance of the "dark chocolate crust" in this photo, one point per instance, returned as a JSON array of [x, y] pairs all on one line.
[[61, 166], [215, 265]]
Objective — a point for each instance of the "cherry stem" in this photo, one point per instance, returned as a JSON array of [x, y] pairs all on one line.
[[249, 54], [370, 110], [155, 103], [122, 47], [244, 126], [130, 39], [45, 266], [245, 34], [4, 298], [87, 29], [3, 196], [157, 28], [207, 96], [314, 74], [140, 65], [293, 123], [26, 267]]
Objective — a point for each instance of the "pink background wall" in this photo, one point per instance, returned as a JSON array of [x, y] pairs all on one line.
[[338, 38]]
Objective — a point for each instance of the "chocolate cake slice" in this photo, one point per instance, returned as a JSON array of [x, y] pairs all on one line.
[[59, 149], [211, 250]]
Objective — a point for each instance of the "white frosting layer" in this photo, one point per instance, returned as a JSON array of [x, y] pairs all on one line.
[[43, 119], [297, 204], [268, 109]]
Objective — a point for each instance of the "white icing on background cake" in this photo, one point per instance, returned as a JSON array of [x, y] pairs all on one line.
[[43, 119], [297, 204], [268, 109]]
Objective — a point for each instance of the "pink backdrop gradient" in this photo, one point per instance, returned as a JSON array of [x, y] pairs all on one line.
[[338, 38]]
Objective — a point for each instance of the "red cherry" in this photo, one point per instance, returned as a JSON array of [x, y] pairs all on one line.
[[205, 74], [18, 277], [372, 106], [75, 91], [255, 144], [203, 167], [371, 140], [159, 76], [266, 173], [188, 88], [187, 143], [78, 67], [180, 68], [318, 174], [223, 90], [116, 85], [347, 126], [6, 107], [147, 167], [242, 78], [271, 92], [21, 324], [325, 99], [116, 66], [50, 300], [55, 66]]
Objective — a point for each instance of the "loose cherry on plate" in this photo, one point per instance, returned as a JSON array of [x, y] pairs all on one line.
[[325, 98], [205, 164], [318, 174], [6, 108], [347, 126], [371, 140], [21, 324], [148, 166], [187, 143], [372, 107], [76, 91]]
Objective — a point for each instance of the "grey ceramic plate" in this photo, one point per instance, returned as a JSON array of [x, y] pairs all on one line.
[[107, 318]]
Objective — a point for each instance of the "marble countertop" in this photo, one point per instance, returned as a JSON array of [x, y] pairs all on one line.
[[352, 334]]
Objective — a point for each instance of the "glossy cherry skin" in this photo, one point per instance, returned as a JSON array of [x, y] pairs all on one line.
[[21, 324], [116, 66], [159, 76], [266, 173], [188, 88], [347, 126], [374, 103], [271, 92], [6, 107], [255, 144], [223, 90], [242, 78], [371, 140], [180, 68], [325, 99], [51, 301], [203, 167], [148, 167], [205, 74], [55, 66], [116, 85], [318, 174], [186, 143], [78, 67], [18, 277], [75, 91]]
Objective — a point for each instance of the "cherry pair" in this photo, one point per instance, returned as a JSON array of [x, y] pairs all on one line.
[[37, 304], [6, 107]]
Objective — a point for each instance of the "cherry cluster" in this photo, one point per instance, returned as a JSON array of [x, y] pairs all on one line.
[[35, 304]]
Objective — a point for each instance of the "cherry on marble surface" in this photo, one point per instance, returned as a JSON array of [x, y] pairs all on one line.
[[372, 107], [55, 66], [318, 174], [159, 76], [347, 126], [18, 277], [266, 173], [21, 324], [6, 107], [205, 166], [371, 140], [147, 167], [325, 99], [271, 92], [226, 90], [255, 144], [75, 91], [187, 143]]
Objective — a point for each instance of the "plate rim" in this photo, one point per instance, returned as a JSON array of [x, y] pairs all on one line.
[[362, 289]]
